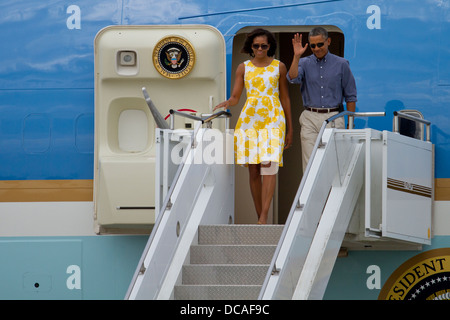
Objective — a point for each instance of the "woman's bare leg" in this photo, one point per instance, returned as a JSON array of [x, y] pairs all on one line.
[[268, 189], [256, 186]]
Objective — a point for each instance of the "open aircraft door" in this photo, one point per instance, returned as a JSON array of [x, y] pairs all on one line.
[[181, 67]]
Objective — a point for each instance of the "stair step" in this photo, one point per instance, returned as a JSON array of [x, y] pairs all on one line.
[[224, 274], [217, 292], [240, 234], [232, 254]]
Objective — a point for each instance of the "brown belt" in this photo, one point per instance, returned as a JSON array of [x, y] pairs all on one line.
[[322, 110]]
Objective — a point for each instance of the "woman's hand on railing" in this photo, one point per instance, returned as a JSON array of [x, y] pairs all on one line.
[[224, 104]]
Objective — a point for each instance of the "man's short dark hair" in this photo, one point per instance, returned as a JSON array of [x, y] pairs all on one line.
[[318, 31]]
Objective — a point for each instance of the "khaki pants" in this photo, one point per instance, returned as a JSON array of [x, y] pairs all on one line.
[[310, 123]]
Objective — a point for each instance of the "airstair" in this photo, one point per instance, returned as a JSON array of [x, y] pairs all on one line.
[[359, 187]]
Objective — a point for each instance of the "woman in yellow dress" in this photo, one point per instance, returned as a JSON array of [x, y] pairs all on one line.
[[260, 134]]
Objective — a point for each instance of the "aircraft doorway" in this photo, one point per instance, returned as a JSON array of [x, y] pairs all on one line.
[[290, 175]]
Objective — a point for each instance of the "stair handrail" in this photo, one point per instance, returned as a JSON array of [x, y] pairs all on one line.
[[296, 203], [160, 122], [159, 218], [208, 119], [399, 114], [167, 200]]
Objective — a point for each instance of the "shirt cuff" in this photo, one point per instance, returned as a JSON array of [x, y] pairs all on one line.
[[295, 80]]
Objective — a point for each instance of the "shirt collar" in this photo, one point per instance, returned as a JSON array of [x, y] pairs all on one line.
[[324, 59]]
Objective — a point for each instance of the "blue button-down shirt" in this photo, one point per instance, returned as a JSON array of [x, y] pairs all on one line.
[[325, 83]]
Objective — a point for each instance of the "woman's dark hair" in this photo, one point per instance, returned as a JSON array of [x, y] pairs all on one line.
[[256, 33]]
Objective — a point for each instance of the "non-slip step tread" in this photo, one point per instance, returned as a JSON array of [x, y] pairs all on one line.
[[232, 254], [208, 274], [217, 292], [240, 234]]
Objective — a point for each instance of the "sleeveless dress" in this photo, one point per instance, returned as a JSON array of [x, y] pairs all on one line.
[[260, 130]]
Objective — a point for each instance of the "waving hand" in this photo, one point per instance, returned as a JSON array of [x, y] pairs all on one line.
[[299, 49]]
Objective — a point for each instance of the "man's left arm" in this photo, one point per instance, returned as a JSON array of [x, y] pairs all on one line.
[[349, 88], [351, 106]]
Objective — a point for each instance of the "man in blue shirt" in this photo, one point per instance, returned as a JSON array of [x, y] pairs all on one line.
[[326, 81]]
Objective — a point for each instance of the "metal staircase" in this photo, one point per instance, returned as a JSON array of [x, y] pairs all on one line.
[[230, 262]]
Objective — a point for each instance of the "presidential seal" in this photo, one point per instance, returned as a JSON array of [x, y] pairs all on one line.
[[423, 277], [173, 57]]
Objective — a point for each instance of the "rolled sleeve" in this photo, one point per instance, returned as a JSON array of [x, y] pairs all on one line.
[[295, 80], [300, 75], [349, 84]]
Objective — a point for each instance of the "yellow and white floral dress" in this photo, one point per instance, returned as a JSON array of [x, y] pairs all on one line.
[[261, 127]]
